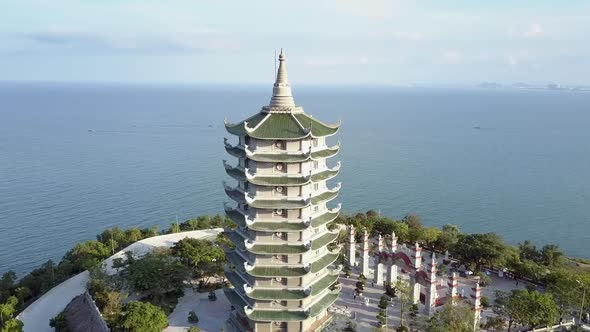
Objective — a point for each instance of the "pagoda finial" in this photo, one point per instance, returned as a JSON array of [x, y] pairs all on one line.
[[281, 92]]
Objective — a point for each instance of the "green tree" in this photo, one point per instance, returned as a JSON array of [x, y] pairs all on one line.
[[133, 235], [7, 284], [480, 249], [456, 318], [87, 254], [564, 289], [150, 232], [59, 322], [217, 221], [7, 309], [12, 325], [156, 275], [142, 317], [203, 256], [448, 237], [114, 238], [174, 228], [430, 236], [403, 291], [551, 255], [525, 307], [528, 251], [415, 228], [402, 232]]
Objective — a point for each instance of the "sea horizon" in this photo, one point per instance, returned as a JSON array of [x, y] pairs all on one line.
[[77, 158]]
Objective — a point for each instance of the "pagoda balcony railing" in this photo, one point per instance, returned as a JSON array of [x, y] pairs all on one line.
[[335, 209], [230, 167], [253, 153], [324, 147], [335, 270], [230, 188], [250, 175], [251, 198], [230, 146]]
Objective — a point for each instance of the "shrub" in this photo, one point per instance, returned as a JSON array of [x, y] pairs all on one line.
[[485, 301], [192, 317]]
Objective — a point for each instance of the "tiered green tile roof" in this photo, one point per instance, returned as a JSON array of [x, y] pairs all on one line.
[[284, 126]]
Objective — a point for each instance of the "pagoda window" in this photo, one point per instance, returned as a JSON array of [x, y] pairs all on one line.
[[316, 186], [246, 163], [279, 145], [315, 143], [316, 164], [247, 140]]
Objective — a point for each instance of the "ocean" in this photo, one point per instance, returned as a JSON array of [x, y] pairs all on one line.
[[78, 158]]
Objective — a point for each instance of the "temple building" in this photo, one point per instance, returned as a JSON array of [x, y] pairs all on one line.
[[282, 261]]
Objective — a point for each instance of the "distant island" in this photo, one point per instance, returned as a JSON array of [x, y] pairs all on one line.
[[522, 85]]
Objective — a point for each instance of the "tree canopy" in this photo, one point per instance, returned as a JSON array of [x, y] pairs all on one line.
[[456, 318], [142, 317]]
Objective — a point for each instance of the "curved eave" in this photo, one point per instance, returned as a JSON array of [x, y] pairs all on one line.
[[236, 195], [236, 216], [323, 240], [239, 129], [277, 249], [325, 196], [289, 294], [235, 151], [326, 153], [323, 304], [325, 175], [284, 271], [324, 219], [293, 158], [277, 226], [278, 271], [277, 294], [271, 181], [318, 129], [300, 315], [278, 204], [323, 262], [236, 173]]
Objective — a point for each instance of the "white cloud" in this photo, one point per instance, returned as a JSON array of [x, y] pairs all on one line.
[[534, 30], [97, 42], [450, 57], [377, 9]]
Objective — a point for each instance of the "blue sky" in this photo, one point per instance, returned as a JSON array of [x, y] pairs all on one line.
[[326, 41]]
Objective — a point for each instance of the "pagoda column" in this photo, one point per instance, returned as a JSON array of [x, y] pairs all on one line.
[[476, 306], [365, 261], [453, 292], [417, 262], [431, 293], [351, 247]]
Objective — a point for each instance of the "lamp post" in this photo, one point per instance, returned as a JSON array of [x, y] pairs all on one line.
[[583, 298]]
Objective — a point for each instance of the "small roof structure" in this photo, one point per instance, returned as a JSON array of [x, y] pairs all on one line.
[[82, 315]]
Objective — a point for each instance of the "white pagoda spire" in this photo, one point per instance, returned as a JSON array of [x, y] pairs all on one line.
[[281, 91]]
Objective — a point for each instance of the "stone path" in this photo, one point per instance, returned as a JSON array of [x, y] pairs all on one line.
[[212, 314], [37, 315]]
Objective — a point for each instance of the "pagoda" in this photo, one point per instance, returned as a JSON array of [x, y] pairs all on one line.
[[282, 261]]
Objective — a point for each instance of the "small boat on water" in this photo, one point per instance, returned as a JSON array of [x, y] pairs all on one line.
[[476, 127]]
